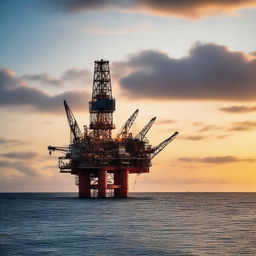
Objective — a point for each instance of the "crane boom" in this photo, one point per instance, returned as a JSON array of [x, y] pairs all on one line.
[[63, 149], [162, 145], [128, 124], [76, 134], [141, 135]]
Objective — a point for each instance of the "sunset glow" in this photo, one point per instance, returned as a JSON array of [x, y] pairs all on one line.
[[193, 66]]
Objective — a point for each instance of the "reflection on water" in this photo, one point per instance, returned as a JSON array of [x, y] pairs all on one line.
[[144, 224]]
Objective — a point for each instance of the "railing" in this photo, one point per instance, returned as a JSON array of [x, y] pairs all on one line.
[[64, 163]]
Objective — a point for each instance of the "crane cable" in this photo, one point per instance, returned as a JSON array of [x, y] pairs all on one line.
[[135, 181]]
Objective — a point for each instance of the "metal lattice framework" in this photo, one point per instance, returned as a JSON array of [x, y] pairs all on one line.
[[101, 81], [162, 145], [142, 134], [102, 105], [75, 132], [127, 125]]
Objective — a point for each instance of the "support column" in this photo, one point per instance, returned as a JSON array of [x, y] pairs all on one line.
[[117, 182], [124, 183], [102, 182], [84, 185], [121, 178]]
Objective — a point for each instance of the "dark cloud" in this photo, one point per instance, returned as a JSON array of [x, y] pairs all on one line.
[[11, 142], [15, 92], [200, 137], [210, 127], [182, 8], [209, 72], [239, 109], [215, 160], [44, 78], [192, 137], [20, 155], [86, 5], [9, 80], [246, 125], [243, 126], [71, 75], [74, 74], [220, 137], [19, 166]]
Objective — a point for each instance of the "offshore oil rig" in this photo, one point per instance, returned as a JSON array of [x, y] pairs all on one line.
[[102, 163]]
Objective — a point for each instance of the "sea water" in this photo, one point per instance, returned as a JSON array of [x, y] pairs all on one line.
[[143, 224]]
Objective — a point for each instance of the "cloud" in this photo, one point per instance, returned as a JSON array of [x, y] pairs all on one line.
[[73, 74], [11, 142], [215, 160], [246, 125], [243, 126], [192, 137], [86, 5], [44, 78], [9, 80], [19, 166], [238, 109], [20, 155], [181, 8], [15, 92], [165, 121], [209, 127], [220, 137], [209, 72], [174, 180], [200, 137]]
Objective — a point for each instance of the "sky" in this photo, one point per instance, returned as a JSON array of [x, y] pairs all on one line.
[[192, 64]]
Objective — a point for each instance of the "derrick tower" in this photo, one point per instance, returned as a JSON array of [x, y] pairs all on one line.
[[100, 163], [102, 104]]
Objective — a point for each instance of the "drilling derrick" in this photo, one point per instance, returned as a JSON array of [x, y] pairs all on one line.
[[101, 163], [102, 105]]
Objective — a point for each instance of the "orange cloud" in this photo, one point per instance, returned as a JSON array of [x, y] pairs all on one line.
[[216, 160], [239, 109], [243, 126], [193, 9], [182, 8]]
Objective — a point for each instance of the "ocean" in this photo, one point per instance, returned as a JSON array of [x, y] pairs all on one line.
[[144, 224]]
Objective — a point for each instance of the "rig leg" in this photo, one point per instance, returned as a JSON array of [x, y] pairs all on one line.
[[121, 178], [117, 182], [124, 183], [102, 183], [84, 185]]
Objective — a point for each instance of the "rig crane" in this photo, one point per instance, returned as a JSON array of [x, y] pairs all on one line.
[[127, 125], [75, 132], [142, 134], [63, 149], [156, 150]]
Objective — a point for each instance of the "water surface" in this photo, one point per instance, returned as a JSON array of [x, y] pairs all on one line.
[[144, 224]]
